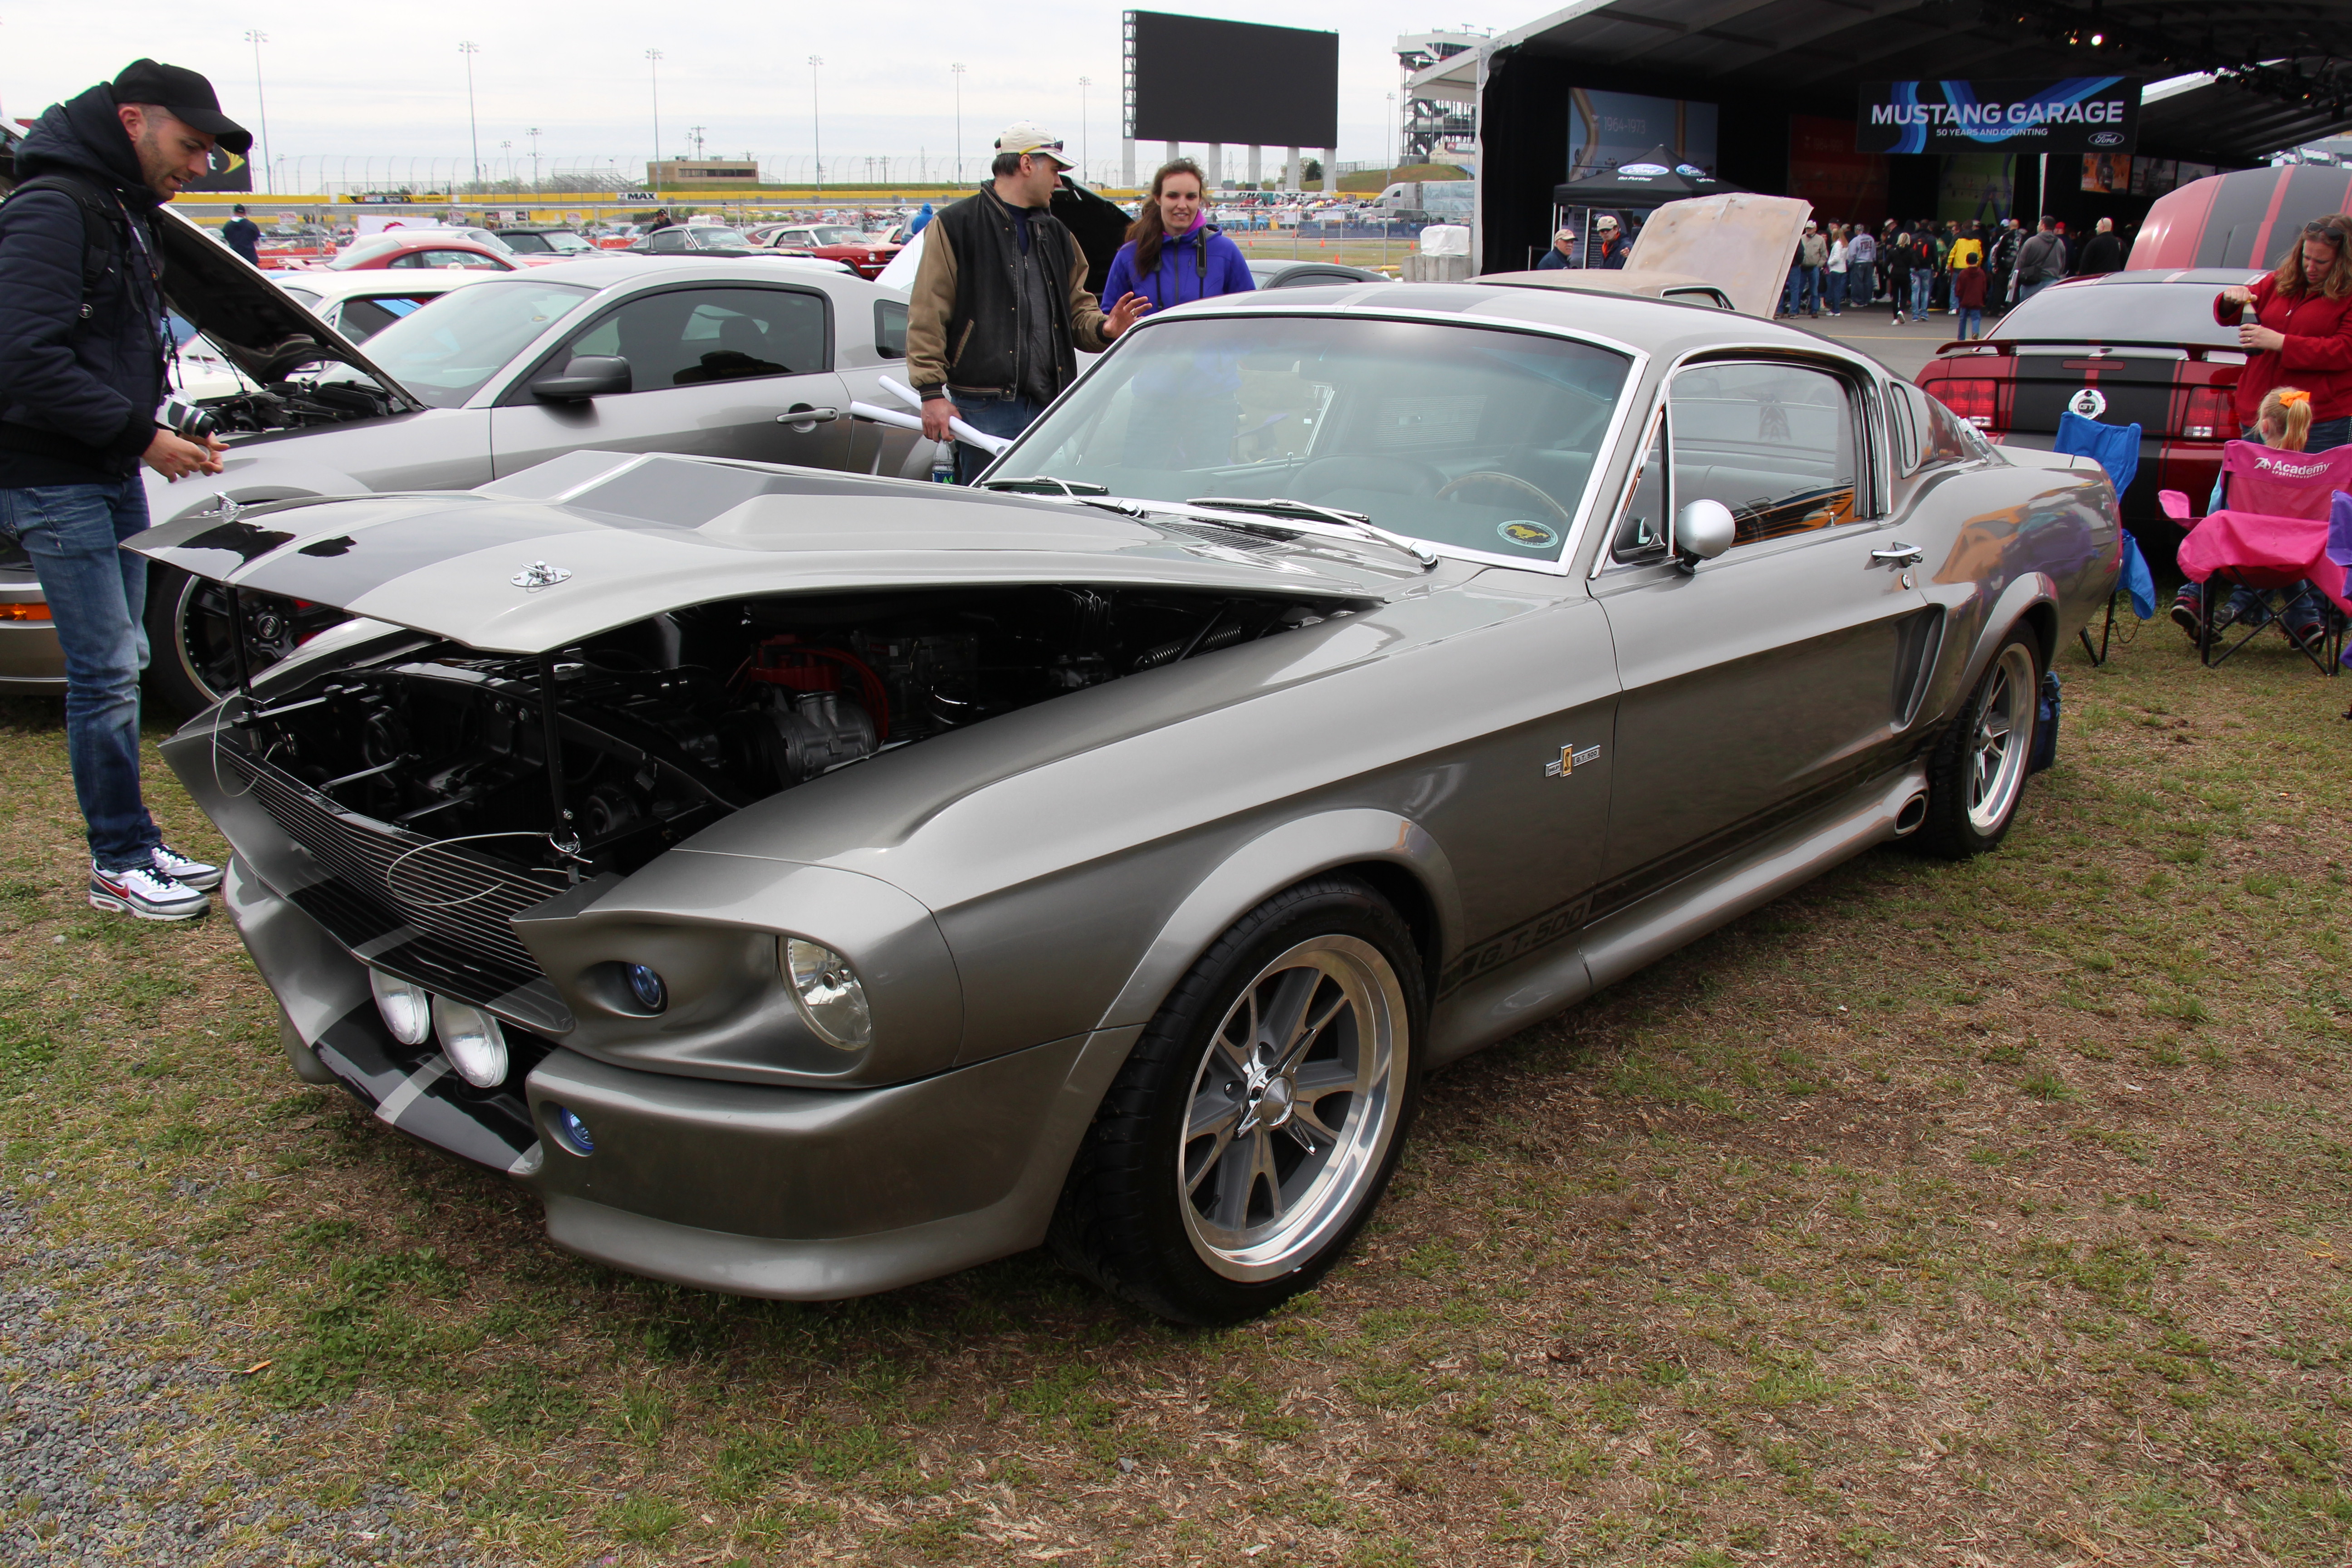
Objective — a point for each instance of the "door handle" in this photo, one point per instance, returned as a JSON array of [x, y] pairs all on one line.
[[1899, 555], [801, 416]]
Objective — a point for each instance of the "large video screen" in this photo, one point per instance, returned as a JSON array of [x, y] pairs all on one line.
[[1234, 82], [1606, 129]]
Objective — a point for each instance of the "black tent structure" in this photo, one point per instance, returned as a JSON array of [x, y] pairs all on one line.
[[2232, 81], [1632, 189]]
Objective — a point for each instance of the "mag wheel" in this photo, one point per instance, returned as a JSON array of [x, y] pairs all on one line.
[[1258, 1120], [1977, 774]]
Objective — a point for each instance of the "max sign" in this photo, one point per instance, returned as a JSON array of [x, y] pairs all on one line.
[[2079, 114]]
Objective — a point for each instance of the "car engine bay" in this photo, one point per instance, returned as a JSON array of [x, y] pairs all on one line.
[[671, 724]]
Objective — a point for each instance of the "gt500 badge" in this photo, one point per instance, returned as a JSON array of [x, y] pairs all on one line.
[[1571, 758]]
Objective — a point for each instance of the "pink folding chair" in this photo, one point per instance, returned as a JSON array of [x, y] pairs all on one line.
[[2273, 534]]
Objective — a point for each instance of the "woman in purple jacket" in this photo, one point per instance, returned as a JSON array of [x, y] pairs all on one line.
[[1172, 255]]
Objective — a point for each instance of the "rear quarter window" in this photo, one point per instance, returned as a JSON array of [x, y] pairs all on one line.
[[890, 329], [2122, 312]]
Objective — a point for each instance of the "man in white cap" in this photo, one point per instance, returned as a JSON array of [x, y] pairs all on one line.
[[1612, 243], [1562, 253], [1000, 308]]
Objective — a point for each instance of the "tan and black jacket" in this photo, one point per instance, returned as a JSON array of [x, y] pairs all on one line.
[[963, 324]]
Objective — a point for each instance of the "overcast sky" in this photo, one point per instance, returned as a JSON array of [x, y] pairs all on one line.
[[386, 82]]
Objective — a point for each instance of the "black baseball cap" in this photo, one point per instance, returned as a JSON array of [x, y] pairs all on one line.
[[187, 95]]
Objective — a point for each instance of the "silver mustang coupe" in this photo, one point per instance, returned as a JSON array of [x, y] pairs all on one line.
[[756, 359], [809, 884]]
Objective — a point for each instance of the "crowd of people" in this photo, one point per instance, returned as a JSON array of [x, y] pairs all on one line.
[[1963, 268]]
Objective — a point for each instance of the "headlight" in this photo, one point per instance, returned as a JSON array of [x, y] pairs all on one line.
[[829, 994], [407, 1011], [472, 1041]]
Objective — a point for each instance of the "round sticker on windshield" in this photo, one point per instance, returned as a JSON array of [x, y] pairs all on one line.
[[1528, 535]]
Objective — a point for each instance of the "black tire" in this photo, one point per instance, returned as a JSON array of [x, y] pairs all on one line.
[[1977, 775], [1129, 1220], [190, 663]]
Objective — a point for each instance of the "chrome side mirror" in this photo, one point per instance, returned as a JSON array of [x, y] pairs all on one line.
[[1703, 530]]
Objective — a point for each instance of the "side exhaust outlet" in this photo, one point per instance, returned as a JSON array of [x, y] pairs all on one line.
[[1914, 813]]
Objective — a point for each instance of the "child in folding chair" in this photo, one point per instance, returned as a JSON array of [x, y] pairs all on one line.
[[2285, 422]]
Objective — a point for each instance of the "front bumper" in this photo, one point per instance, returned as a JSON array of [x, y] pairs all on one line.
[[802, 1194]]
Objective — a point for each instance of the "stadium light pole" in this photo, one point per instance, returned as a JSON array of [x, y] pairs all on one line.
[[470, 51], [958, 69], [533, 133], [653, 68], [816, 125], [257, 39], [1083, 82]]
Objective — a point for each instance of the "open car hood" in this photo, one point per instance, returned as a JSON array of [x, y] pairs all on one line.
[[256, 325], [593, 541], [1741, 243]]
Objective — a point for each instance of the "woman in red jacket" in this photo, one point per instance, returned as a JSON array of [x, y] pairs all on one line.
[[2300, 331]]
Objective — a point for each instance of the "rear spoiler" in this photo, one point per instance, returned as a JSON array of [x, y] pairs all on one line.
[[2009, 347]]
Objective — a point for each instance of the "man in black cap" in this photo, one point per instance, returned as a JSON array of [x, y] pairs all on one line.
[[83, 341], [242, 235]]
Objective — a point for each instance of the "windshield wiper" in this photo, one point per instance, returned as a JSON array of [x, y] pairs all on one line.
[[1047, 485], [1276, 506]]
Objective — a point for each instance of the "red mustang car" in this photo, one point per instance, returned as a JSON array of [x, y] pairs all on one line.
[[423, 248], [833, 241], [2138, 347]]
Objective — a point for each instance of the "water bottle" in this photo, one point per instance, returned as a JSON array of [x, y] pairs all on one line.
[[943, 463]]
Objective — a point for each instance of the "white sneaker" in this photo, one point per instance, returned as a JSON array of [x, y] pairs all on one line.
[[146, 894], [170, 862]]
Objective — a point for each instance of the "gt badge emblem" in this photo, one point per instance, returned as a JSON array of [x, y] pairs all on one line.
[[2090, 403], [539, 574], [1571, 758]]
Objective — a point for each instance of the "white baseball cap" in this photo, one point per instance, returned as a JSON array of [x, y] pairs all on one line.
[[1028, 136]]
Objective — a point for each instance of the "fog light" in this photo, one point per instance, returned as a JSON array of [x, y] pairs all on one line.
[[407, 1011], [831, 998], [472, 1041], [646, 986], [570, 1130]]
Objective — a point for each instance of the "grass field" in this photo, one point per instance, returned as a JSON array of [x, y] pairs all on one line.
[[1969, 1214]]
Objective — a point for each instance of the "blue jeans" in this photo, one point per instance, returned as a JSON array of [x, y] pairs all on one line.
[[1833, 293], [1809, 289], [98, 600], [1923, 285], [1972, 322], [1005, 416], [2028, 291]]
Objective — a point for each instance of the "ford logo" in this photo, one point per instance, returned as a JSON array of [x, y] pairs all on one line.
[[2107, 139]]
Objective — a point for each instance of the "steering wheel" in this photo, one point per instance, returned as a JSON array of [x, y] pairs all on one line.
[[1513, 483]]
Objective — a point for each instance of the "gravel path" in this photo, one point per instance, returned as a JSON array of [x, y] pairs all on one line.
[[95, 1462]]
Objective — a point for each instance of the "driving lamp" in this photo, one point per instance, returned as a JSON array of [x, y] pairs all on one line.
[[647, 987], [407, 1011], [472, 1041], [829, 995]]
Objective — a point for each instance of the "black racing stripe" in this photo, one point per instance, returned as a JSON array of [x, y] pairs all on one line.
[[375, 556], [2238, 209], [2312, 192]]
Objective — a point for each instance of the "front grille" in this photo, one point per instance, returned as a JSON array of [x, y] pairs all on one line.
[[435, 913]]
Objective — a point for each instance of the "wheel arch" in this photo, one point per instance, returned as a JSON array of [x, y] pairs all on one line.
[[2031, 603], [1393, 854]]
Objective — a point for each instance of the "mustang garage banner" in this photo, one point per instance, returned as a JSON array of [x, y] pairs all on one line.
[[2079, 114]]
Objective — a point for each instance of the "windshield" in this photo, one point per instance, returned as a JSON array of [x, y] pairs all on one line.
[[834, 233], [2127, 312], [445, 354], [359, 250], [1468, 436]]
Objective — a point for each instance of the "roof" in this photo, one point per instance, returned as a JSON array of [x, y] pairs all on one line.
[[1808, 48]]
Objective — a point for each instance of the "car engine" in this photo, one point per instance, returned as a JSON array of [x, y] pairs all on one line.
[[296, 405], [661, 727]]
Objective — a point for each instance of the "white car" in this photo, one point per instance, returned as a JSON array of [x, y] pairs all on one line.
[[361, 304]]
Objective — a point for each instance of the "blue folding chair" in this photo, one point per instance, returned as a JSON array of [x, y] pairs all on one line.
[[2115, 448]]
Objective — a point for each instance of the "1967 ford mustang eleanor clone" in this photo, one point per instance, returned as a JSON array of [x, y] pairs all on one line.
[[809, 884]]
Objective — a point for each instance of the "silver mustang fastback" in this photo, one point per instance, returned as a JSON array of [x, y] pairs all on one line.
[[809, 884]]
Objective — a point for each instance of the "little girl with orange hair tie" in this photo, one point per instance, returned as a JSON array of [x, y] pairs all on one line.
[[2284, 421]]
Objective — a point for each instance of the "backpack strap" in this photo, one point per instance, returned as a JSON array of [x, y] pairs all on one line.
[[98, 216]]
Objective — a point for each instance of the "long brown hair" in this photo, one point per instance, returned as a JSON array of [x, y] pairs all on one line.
[[1148, 230], [2336, 228]]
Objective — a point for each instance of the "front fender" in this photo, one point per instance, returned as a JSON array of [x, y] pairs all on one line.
[[1277, 858], [168, 502]]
